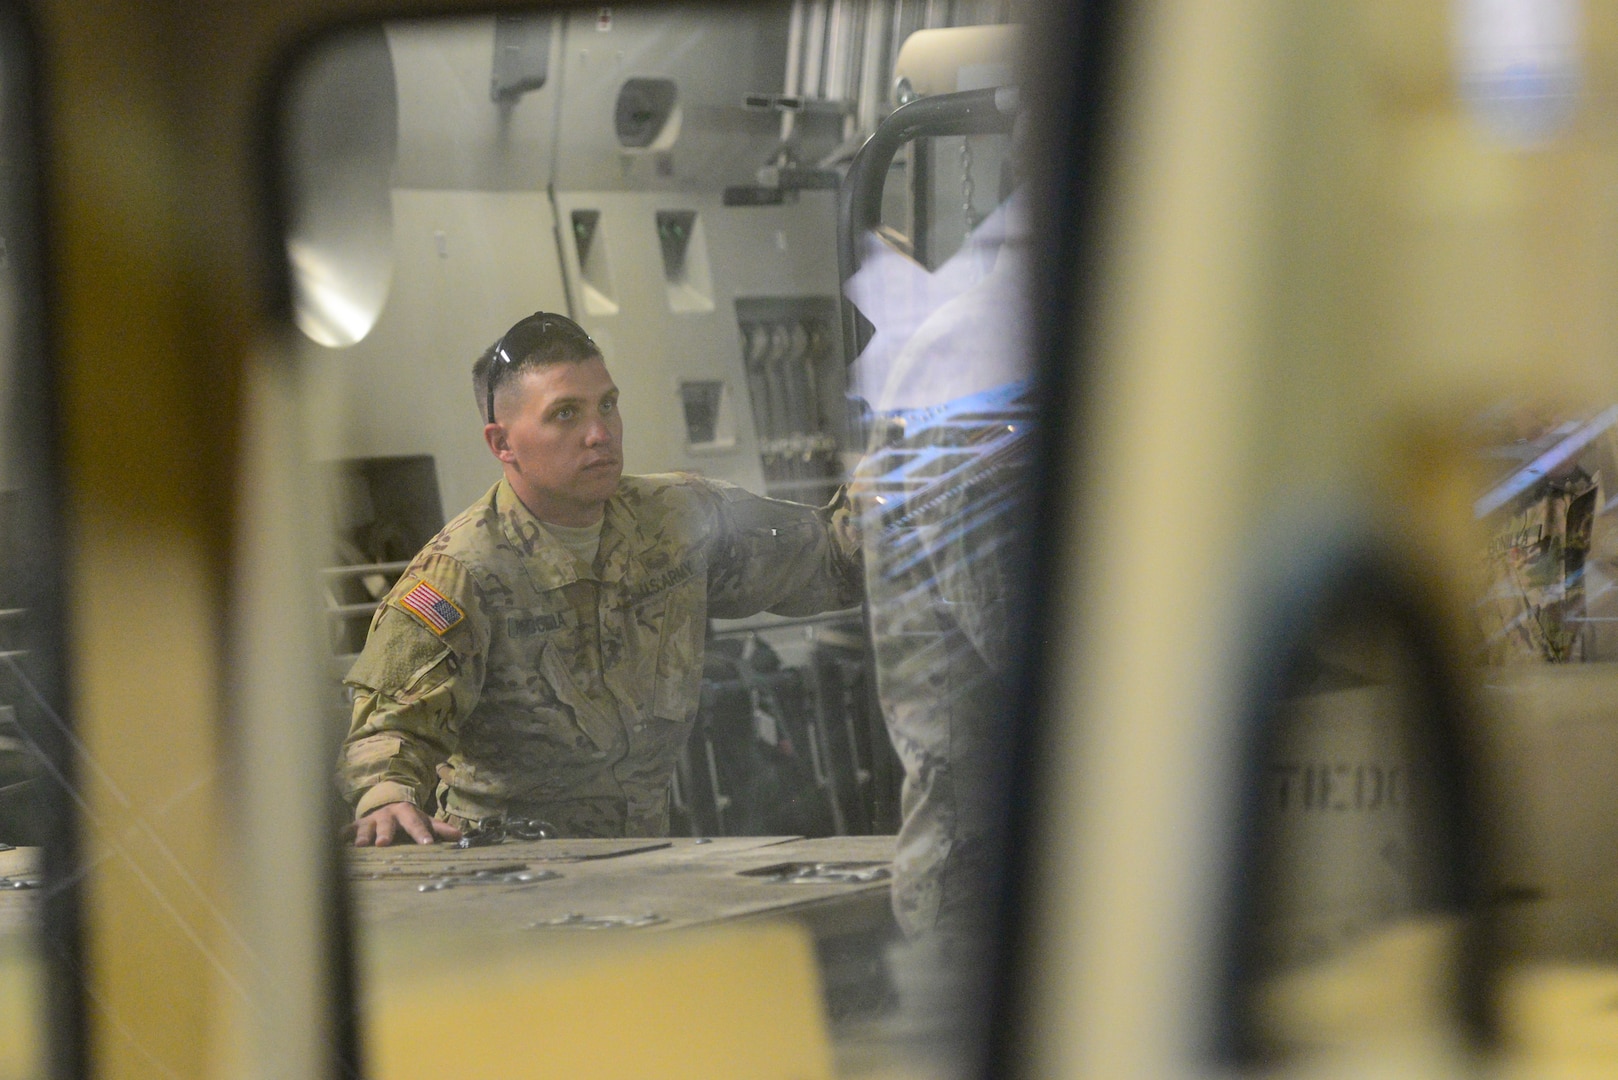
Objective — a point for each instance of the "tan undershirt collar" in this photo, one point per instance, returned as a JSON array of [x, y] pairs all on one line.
[[583, 542]]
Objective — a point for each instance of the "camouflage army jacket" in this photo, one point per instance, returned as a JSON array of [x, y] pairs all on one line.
[[503, 677]]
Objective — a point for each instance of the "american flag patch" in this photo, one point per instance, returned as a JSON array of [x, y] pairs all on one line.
[[429, 605]]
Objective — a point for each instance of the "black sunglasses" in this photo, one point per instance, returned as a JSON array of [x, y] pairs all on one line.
[[526, 337]]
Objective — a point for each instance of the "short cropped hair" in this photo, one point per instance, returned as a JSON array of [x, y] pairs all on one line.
[[538, 341]]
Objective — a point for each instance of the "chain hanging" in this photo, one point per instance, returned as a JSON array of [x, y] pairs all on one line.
[[968, 213]]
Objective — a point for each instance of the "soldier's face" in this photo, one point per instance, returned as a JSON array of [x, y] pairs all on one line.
[[561, 440]]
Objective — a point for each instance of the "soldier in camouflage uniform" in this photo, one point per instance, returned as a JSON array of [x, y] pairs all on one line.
[[511, 672], [944, 500], [946, 512]]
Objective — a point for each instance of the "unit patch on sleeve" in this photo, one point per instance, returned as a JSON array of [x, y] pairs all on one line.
[[431, 607]]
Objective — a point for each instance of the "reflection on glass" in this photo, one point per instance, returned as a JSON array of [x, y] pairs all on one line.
[[607, 507], [1352, 885], [340, 238], [1354, 865], [1543, 515], [1548, 617], [945, 505]]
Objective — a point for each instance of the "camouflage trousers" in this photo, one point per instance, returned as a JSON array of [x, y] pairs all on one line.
[[945, 525], [943, 707]]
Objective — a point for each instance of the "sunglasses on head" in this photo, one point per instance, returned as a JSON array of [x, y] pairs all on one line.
[[526, 337]]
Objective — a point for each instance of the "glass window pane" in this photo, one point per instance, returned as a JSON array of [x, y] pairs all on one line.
[[676, 527]]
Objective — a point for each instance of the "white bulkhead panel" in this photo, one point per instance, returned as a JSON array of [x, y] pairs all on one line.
[[452, 134], [660, 328], [600, 193], [474, 249], [711, 140], [651, 133], [469, 264]]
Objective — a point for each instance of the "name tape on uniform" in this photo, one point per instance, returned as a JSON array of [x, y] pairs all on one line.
[[431, 607]]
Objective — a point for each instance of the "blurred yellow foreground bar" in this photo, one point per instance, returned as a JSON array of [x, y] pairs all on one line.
[[715, 1004]]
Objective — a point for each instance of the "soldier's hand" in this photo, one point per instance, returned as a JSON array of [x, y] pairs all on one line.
[[845, 528], [382, 825]]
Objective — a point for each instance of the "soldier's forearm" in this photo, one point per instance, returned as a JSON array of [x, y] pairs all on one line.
[[382, 764], [388, 791]]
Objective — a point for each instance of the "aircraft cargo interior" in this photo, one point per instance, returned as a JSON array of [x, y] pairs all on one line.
[[876, 539]]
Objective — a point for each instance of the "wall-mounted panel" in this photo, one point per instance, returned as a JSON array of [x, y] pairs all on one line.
[[620, 131]]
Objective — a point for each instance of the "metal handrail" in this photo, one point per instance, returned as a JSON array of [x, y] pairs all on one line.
[[756, 623], [859, 200], [361, 569], [349, 611]]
